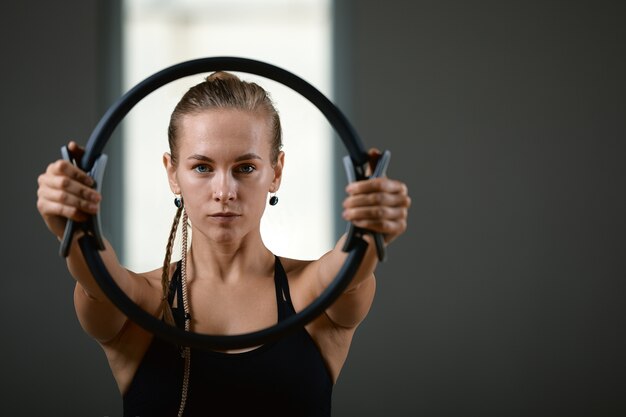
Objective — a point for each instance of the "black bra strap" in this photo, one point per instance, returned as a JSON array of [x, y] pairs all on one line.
[[174, 284], [176, 290], [283, 298]]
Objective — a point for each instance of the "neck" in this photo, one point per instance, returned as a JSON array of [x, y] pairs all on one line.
[[228, 262]]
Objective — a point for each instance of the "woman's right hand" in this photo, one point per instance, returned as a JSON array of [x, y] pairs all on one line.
[[65, 192]]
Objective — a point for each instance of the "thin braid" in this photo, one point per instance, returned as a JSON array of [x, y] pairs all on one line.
[[165, 276], [186, 351]]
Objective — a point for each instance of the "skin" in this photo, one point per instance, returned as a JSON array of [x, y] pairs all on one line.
[[224, 173]]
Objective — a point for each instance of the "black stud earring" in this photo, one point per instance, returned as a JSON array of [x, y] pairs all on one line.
[[178, 202], [273, 200]]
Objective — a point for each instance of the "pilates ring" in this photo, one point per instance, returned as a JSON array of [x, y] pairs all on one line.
[[93, 162]]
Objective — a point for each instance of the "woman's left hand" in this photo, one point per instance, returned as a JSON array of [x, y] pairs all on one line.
[[378, 204]]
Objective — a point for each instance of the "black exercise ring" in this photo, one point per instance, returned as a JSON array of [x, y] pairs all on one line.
[[100, 136]]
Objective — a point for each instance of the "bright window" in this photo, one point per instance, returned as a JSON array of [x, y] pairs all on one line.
[[293, 34]]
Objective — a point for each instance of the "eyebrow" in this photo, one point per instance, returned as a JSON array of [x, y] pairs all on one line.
[[244, 157]]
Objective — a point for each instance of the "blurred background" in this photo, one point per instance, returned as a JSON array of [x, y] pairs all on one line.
[[507, 120]]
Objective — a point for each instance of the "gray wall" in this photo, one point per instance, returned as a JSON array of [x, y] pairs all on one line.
[[54, 66], [507, 120]]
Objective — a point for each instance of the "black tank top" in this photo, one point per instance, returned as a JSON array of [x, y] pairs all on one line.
[[283, 378]]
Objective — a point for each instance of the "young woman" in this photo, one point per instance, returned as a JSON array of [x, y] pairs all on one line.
[[225, 158]]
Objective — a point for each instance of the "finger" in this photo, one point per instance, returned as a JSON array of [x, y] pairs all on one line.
[[51, 208], [374, 213], [389, 228], [376, 185], [68, 185], [75, 150], [64, 190], [374, 156], [67, 169], [64, 198], [377, 199]]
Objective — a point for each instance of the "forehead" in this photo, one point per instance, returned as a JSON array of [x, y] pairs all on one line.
[[224, 131]]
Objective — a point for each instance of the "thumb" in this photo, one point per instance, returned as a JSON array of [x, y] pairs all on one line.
[[374, 155]]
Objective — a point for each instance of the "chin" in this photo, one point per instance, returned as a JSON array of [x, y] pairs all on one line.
[[225, 236]]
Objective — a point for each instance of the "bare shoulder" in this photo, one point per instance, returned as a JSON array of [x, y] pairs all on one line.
[[295, 266], [154, 278], [303, 278], [147, 292], [300, 272]]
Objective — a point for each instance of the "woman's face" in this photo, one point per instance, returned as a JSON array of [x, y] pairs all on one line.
[[224, 171]]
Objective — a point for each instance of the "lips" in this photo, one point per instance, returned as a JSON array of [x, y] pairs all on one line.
[[224, 216]]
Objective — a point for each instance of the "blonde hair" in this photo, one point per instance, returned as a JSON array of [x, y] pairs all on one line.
[[223, 90], [220, 90]]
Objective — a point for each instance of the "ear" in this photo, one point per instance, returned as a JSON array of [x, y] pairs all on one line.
[[278, 172], [170, 168]]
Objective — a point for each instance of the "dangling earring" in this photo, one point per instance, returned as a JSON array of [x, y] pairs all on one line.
[[273, 200], [178, 202]]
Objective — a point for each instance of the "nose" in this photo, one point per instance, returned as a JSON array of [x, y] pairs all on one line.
[[225, 188]]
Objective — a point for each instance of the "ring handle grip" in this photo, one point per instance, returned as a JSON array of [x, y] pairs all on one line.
[[92, 225], [355, 174]]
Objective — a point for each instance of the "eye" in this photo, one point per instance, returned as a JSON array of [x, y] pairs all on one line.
[[201, 169], [246, 168]]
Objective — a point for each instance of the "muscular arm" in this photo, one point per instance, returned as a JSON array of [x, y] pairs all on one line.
[[98, 316], [65, 193], [380, 205], [353, 305]]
